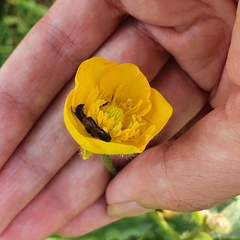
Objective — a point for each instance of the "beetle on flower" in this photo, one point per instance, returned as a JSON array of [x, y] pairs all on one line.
[[117, 99]]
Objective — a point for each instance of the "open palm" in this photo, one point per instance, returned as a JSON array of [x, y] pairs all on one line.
[[181, 46]]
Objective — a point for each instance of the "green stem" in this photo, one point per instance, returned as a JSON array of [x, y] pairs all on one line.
[[108, 164], [165, 226], [200, 220]]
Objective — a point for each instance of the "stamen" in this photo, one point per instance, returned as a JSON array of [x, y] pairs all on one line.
[[120, 118]]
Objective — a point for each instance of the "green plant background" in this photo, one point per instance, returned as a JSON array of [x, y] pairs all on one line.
[[16, 19]]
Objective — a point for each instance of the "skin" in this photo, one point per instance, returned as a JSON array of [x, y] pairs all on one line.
[[182, 46]]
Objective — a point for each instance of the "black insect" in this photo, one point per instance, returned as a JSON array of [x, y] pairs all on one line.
[[90, 125]]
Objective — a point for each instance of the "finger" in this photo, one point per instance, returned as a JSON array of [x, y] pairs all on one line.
[[186, 98], [234, 52], [45, 60], [42, 153], [130, 40], [198, 40], [197, 171], [83, 223], [69, 193], [202, 113], [222, 91], [173, 13]]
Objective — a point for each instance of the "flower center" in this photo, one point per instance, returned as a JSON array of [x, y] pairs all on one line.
[[116, 116], [115, 112]]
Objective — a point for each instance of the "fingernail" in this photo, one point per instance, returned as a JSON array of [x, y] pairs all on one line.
[[126, 209]]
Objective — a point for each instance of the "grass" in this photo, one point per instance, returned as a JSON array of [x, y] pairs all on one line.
[[16, 18]]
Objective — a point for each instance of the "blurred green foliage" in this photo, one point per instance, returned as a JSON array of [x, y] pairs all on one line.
[[16, 18]]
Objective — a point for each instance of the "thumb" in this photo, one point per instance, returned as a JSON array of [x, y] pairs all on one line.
[[196, 171]]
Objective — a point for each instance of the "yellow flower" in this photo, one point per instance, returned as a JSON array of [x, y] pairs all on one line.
[[112, 108]]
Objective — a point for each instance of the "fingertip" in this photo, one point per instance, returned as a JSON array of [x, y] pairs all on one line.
[[136, 181]]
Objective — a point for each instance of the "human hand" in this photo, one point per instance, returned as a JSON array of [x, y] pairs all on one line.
[[200, 167], [199, 43]]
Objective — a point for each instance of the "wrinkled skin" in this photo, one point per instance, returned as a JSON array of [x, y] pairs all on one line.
[[182, 48]]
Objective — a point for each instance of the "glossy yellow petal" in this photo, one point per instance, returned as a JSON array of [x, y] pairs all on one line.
[[158, 116], [110, 148], [129, 77], [131, 81], [74, 126], [88, 77], [160, 112]]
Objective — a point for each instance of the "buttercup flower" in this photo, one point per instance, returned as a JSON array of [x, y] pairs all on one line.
[[112, 108]]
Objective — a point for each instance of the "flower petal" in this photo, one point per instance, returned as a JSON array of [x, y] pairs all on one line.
[[134, 84], [160, 112], [88, 77]]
